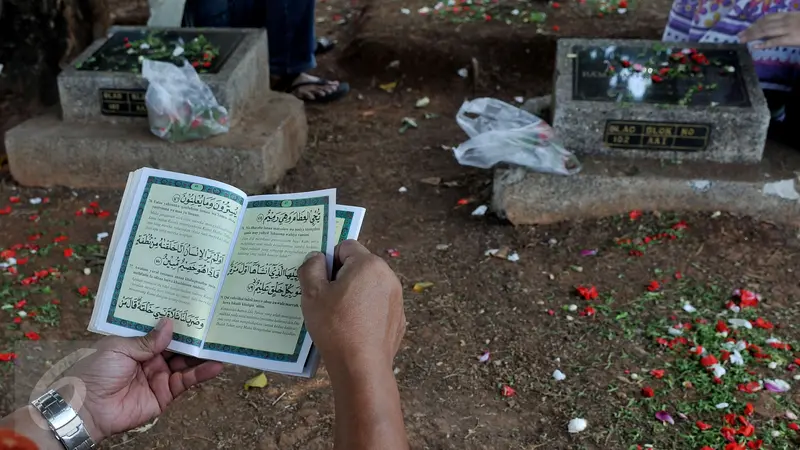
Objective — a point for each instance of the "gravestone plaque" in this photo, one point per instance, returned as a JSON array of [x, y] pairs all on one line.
[[651, 99], [104, 83]]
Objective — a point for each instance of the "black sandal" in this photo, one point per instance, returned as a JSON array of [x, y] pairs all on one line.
[[324, 45], [289, 86]]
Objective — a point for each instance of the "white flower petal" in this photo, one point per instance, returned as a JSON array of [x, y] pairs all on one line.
[[740, 323], [559, 375], [577, 425]]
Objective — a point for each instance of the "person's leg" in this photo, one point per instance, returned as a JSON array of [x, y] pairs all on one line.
[[207, 13], [292, 44], [290, 24]]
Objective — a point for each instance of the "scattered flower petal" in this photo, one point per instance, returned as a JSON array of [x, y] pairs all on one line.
[[577, 425], [665, 417], [559, 375], [776, 385]]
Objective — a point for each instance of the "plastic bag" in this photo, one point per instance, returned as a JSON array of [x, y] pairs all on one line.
[[500, 132], [180, 107]]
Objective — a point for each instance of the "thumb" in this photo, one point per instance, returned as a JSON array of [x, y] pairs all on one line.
[[313, 275], [145, 347]]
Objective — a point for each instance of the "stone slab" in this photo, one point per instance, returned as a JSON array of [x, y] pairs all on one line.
[[254, 155], [243, 75], [609, 186], [625, 113]]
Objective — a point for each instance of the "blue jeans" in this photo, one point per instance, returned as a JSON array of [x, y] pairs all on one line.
[[289, 24]]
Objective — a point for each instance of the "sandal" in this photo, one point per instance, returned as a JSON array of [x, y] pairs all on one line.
[[324, 45], [289, 86]]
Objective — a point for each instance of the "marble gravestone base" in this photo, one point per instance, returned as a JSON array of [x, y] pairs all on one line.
[[650, 99]]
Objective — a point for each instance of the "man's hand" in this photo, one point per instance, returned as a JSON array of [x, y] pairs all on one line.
[[357, 322], [775, 30], [359, 316], [129, 381]]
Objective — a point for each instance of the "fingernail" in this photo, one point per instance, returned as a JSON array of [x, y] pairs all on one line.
[[161, 324], [311, 255]]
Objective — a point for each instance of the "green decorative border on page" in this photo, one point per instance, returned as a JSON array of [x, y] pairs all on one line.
[[129, 248], [273, 356], [348, 222]]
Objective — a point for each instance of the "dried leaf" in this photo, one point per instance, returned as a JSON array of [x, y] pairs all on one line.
[[258, 381], [422, 286], [388, 87], [433, 181]]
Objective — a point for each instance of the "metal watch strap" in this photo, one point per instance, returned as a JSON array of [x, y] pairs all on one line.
[[64, 421]]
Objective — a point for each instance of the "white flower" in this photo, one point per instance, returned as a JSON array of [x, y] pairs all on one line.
[[719, 371], [674, 331], [572, 308], [736, 358], [402, 190], [775, 433], [513, 257], [577, 425], [689, 308], [101, 236], [791, 415], [722, 405], [405, 11], [35, 200], [424, 10], [178, 51], [559, 375], [87, 271], [22, 314], [145, 46]]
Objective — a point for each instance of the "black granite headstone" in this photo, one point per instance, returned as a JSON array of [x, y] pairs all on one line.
[[115, 55], [668, 75]]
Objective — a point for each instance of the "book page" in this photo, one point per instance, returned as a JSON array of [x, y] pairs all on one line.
[[170, 257], [257, 320], [348, 222]]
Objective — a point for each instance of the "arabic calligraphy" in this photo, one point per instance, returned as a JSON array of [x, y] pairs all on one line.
[[206, 201], [181, 248], [185, 264], [158, 312], [272, 270], [312, 217], [274, 288]]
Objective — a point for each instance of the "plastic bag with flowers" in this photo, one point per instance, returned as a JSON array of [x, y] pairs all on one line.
[[502, 133], [180, 107]]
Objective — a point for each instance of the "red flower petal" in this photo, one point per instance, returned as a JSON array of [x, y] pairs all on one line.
[[508, 391], [703, 426], [648, 392], [68, 253], [657, 373], [8, 356], [32, 335], [708, 361], [635, 214], [13, 199], [83, 290]]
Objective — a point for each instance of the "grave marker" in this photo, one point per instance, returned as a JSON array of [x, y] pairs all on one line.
[[103, 132], [104, 82], [648, 99]]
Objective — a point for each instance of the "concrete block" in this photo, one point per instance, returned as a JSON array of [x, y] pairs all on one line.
[[243, 76], [651, 99], [610, 186], [256, 153]]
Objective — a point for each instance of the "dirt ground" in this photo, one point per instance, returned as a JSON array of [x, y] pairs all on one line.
[[530, 315]]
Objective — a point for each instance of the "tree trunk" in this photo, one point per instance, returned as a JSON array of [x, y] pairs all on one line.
[[38, 37]]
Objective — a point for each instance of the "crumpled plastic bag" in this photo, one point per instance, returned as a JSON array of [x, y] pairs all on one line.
[[502, 133], [180, 107]]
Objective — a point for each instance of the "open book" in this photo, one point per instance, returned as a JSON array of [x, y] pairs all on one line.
[[221, 264]]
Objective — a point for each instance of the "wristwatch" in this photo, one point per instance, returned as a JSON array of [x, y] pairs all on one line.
[[64, 421]]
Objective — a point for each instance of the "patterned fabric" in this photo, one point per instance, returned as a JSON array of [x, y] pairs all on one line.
[[720, 21]]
